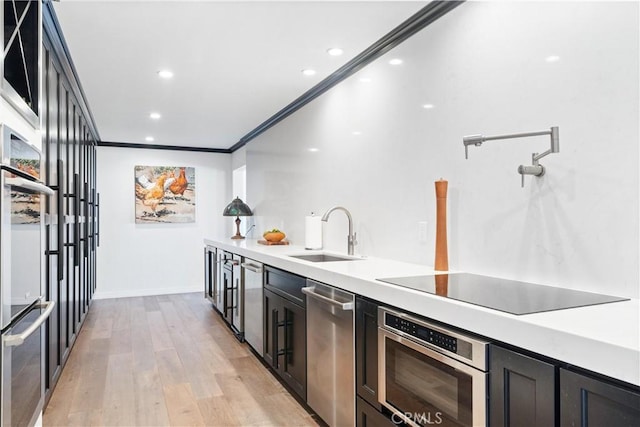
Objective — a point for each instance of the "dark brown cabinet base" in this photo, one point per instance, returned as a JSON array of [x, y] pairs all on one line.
[[367, 350], [71, 230], [522, 390], [285, 331], [586, 401], [368, 416]]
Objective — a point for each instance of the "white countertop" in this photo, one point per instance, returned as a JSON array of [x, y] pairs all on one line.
[[603, 338]]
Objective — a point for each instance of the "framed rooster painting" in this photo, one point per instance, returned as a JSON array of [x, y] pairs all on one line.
[[165, 194]]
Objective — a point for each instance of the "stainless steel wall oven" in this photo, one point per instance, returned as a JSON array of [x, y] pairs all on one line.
[[429, 374], [22, 311]]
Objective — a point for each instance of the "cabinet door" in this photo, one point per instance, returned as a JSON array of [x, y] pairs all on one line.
[[209, 273], [367, 351], [522, 390], [293, 356], [585, 401], [368, 416], [272, 307], [50, 146]]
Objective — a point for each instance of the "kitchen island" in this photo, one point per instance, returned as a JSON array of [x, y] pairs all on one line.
[[602, 338]]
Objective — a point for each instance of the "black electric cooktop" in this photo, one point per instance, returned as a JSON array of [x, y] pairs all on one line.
[[510, 296]]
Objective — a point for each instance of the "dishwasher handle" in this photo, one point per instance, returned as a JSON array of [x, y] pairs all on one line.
[[251, 267], [311, 292]]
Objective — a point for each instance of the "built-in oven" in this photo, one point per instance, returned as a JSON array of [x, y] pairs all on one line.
[[22, 309], [22, 360], [429, 374]]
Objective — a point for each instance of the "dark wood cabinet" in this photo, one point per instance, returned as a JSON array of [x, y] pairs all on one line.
[[209, 272], [71, 230], [368, 416], [587, 401], [285, 343], [285, 328], [367, 350], [522, 390]]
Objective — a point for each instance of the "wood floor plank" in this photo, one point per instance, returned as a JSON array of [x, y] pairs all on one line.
[[92, 377], [121, 341], [159, 331], [170, 367], [216, 411], [122, 315], [85, 419], [166, 361], [151, 303], [182, 406], [119, 399], [150, 408]]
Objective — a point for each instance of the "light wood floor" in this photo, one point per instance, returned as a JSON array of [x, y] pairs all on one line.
[[166, 360]]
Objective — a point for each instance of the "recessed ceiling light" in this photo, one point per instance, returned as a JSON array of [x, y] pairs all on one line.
[[356, 132], [395, 61], [335, 51], [149, 139], [427, 106], [308, 72], [552, 58], [365, 80], [165, 74], [314, 150], [154, 116]]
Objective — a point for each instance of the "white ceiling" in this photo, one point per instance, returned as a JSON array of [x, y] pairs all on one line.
[[236, 63]]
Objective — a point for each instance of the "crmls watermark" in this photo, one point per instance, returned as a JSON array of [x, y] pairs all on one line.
[[423, 418]]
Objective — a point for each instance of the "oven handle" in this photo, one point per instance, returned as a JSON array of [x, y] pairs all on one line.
[[449, 361], [19, 339], [310, 291], [30, 185]]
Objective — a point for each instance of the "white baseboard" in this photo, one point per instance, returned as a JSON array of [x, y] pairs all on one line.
[[125, 293]]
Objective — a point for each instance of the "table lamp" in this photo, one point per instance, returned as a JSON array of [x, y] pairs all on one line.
[[237, 208]]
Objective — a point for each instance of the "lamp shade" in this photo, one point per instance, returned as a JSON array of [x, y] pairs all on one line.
[[237, 208]]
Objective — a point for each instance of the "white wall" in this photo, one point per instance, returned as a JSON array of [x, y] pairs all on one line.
[[484, 69], [153, 259]]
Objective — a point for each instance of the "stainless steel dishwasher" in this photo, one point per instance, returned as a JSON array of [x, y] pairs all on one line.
[[330, 353], [253, 295]]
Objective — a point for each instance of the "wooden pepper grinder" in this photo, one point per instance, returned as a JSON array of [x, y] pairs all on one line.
[[442, 257]]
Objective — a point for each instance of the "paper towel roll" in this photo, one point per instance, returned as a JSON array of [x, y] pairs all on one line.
[[312, 232]]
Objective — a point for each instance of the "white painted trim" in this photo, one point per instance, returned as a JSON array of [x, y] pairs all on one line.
[[146, 292]]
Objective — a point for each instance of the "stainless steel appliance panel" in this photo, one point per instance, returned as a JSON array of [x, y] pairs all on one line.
[[330, 353], [22, 361], [22, 196], [253, 304], [421, 375], [237, 313], [218, 300]]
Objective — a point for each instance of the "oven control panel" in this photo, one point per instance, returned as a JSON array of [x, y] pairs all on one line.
[[422, 332]]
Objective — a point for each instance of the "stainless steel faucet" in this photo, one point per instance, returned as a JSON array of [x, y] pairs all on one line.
[[351, 238]]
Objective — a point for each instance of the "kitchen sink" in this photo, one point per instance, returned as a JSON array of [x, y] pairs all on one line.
[[323, 258]]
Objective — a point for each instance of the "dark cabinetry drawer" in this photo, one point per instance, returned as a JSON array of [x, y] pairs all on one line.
[[368, 416], [285, 284]]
